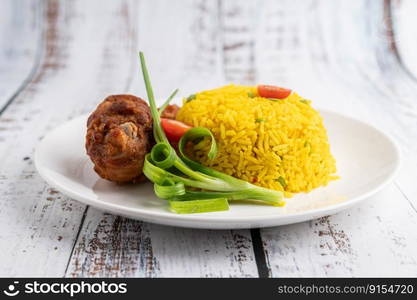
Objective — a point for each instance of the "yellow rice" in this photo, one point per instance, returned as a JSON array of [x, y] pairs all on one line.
[[278, 144]]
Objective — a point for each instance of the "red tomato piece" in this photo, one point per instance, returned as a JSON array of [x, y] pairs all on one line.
[[173, 129], [271, 91]]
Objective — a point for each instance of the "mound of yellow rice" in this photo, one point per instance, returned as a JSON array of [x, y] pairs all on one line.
[[278, 144]]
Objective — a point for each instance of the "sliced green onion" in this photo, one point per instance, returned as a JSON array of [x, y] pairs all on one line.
[[191, 97], [158, 175], [281, 181], [163, 155], [236, 183], [152, 172], [169, 189], [158, 133], [198, 133], [199, 206], [166, 103], [249, 194]]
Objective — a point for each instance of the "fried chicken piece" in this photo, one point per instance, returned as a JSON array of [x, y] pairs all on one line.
[[119, 135], [170, 112]]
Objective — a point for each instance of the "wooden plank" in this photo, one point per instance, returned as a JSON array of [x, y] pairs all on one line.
[[404, 32], [349, 52], [189, 57], [368, 240], [20, 34], [86, 55], [402, 88], [237, 28], [112, 246]]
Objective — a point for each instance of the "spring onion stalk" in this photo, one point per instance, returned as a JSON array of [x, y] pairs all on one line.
[[179, 179], [199, 206], [162, 108]]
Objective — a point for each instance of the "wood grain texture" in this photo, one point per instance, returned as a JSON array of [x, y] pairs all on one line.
[[111, 246], [38, 223], [357, 57], [353, 51], [20, 37], [404, 33]]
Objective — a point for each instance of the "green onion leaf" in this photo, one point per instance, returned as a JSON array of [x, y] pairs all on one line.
[[281, 181], [166, 103], [153, 173], [199, 206], [158, 175], [261, 194], [191, 97], [163, 155], [197, 133], [159, 134], [169, 189]]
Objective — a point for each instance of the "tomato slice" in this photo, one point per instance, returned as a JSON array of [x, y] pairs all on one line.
[[272, 91], [173, 129]]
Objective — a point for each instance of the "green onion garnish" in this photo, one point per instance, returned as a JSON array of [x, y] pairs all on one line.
[[191, 97], [281, 181], [166, 103], [199, 206], [179, 179]]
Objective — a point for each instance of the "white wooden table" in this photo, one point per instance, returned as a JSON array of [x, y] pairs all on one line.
[[58, 59]]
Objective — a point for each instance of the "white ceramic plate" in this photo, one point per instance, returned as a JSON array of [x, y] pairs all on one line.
[[367, 160]]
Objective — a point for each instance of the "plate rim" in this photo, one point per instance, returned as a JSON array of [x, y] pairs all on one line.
[[199, 220]]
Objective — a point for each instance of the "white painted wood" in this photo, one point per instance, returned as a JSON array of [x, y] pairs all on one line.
[[198, 253], [405, 33], [85, 57], [354, 70], [337, 53], [374, 239], [20, 31], [111, 246]]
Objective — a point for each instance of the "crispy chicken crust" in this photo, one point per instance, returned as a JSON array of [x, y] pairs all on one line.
[[119, 135]]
